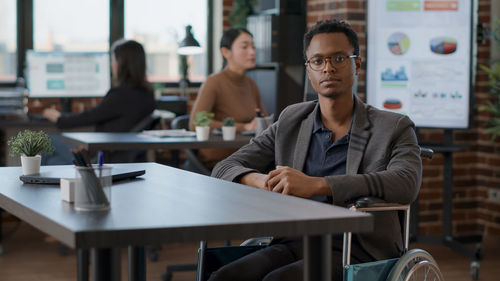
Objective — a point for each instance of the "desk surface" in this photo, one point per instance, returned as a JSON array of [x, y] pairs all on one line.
[[172, 205], [123, 141], [25, 122]]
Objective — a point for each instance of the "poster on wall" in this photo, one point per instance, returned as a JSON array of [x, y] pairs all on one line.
[[419, 60]]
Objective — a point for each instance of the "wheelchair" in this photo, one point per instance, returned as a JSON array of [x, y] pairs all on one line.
[[415, 264]]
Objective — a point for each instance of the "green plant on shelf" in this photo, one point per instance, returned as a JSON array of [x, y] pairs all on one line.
[[228, 122], [30, 143], [493, 106], [203, 118], [239, 13]]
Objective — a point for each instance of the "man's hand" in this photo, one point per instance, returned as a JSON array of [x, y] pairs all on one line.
[[255, 179], [51, 114], [293, 182]]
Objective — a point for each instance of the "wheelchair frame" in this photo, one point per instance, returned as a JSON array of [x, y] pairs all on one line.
[[398, 269]]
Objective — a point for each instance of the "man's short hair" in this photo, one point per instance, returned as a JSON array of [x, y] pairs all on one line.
[[331, 26]]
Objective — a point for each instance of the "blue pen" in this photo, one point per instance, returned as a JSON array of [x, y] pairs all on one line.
[[100, 159], [100, 162]]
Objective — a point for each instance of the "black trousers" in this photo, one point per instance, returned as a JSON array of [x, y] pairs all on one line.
[[282, 260]]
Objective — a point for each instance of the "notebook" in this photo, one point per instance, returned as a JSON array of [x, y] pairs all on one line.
[[53, 176]]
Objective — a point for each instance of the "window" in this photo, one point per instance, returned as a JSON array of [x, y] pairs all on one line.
[[160, 25], [8, 44], [71, 25]]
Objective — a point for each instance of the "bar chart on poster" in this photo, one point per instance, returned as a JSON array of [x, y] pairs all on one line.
[[419, 60]]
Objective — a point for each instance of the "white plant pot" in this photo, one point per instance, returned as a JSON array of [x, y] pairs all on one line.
[[31, 164], [228, 132], [202, 133]]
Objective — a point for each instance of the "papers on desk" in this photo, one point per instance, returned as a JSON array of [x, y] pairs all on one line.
[[168, 133]]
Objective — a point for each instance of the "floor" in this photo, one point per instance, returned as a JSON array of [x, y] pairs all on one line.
[[31, 255]]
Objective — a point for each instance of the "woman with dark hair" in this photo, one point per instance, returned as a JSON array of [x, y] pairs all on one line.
[[230, 92], [128, 102]]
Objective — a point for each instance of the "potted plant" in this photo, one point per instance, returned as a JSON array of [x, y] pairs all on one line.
[[493, 106], [228, 129], [239, 13], [29, 145], [202, 120]]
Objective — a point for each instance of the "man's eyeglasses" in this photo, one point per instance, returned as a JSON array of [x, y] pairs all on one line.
[[337, 61]]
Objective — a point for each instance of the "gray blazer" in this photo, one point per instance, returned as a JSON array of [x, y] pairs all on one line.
[[383, 160]]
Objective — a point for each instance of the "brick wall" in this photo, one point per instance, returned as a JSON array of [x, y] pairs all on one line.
[[227, 6], [476, 168]]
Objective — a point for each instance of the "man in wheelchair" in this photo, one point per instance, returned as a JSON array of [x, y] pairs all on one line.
[[333, 150]]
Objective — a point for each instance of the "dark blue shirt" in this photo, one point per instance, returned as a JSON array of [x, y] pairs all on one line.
[[325, 158]]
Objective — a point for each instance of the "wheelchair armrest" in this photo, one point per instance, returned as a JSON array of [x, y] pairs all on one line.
[[257, 241], [426, 152], [371, 204]]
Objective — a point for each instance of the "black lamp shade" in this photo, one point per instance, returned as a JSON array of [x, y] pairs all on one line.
[[189, 45]]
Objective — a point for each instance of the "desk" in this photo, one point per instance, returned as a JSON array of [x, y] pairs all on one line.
[[93, 141], [171, 205]]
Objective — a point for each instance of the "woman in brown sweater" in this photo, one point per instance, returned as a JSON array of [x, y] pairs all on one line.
[[230, 93]]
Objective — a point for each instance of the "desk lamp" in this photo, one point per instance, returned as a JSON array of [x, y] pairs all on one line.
[[188, 46]]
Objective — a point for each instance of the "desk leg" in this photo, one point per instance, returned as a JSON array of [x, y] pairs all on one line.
[[82, 264], [105, 264], [318, 258], [136, 264]]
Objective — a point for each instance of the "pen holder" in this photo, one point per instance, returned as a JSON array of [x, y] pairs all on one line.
[[93, 188]]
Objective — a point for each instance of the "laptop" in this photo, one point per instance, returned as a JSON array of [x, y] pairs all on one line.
[[54, 176]]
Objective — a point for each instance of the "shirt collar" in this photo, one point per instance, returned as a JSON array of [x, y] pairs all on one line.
[[318, 125]]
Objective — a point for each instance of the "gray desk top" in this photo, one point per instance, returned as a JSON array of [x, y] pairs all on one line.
[[123, 141], [172, 205]]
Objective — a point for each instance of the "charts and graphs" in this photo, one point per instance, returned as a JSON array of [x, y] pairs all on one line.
[[419, 60], [398, 43]]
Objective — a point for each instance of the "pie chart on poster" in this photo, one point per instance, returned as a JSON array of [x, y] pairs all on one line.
[[392, 104], [398, 43], [443, 45]]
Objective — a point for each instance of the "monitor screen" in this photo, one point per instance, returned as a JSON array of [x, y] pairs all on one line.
[[419, 60], [67, 74]]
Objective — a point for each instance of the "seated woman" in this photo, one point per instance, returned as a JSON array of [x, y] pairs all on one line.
[[230, 93], [129, 101]]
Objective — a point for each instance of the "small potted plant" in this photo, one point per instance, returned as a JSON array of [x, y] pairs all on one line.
[[29, 145], [202, 120], [228, 129]]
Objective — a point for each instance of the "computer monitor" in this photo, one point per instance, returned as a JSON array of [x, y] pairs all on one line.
[[67, 74]]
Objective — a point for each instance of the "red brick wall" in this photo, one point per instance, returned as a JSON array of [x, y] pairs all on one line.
[[476, 169]]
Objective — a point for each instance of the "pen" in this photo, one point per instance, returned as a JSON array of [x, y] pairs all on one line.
[[100, 162], [100, 159]]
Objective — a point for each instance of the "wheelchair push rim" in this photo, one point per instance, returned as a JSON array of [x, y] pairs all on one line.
[[416, 264]]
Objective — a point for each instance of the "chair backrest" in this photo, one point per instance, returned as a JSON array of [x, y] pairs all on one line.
[[193, 164], [131, 156], [148, 123], [180, 122]]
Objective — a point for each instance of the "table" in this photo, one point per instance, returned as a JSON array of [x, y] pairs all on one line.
[[94, 141], [171, 205]]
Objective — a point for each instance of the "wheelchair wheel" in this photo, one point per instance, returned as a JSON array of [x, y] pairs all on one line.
[[416, 264]]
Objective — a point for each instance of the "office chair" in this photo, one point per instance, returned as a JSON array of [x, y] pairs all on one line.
[[147, 123], [415, 262], [192, 162]]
